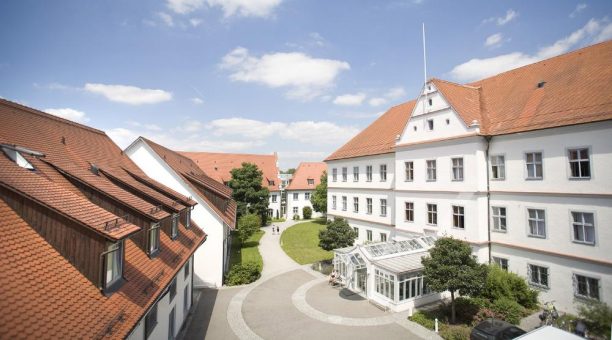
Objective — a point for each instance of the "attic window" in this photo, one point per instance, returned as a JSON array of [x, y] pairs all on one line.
[[310, 181], [16, 157], [430, 124], [428, 87], [175, 223], [153, 240], [415, 128], [113, 266], [430, 102], [270, 182], [447, 121]]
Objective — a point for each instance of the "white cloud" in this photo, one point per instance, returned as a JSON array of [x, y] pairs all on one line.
[[305, 76], [249, 128], [245, 8], [70, 114], [166, 19], [494, 40], [129, 94], [185, 6], [197, 101], [594, 31], [318, 133], [317, 39], [396, 93], [377, 101], [579, 8], [350, 99], [510, 15], [195, 22]]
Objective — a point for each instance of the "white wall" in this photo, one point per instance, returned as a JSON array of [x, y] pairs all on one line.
[[275, 206], [209, 257], [362, 162], [362, 226], [362, 195], [300, 203]]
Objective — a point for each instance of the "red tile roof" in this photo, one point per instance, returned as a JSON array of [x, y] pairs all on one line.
[[304, 172], [199, 181], [43, 294], [219, 165], [576, 90]]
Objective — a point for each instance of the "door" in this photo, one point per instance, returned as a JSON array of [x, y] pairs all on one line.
[[362, 279]]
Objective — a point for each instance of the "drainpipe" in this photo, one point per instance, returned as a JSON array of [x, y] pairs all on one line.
[[488, 141]]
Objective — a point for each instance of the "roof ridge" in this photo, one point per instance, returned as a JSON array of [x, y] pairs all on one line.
[[456, 84], [50, 116], [166, 149]]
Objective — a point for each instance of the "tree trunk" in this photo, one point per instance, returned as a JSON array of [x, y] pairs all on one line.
[[452, 306]]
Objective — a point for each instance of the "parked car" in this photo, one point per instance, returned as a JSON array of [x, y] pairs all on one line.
[[494, 329]]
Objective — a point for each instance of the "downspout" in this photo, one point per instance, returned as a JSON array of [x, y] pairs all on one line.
[[488, 140]]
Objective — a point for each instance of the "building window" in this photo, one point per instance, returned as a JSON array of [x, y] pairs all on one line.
[[369, 173], [431, 170], [17, 157], [383, 207], [355, 204], [270, 182], [186, 269], [186, 299], [273, 198], [583, 226], [458, 217], [344, 203], [430, 102], [457, 169], [334, 203], [356, 231], [412, 286], [334, 175], [537, 222], [295, 210], [296, 196], [344, 174], [175, 223], [533, 161], [188, 218], [153, 239], [150, 321], [498, 167], [501, 262], [369, 205], [383, 172], [113, 265], [383, 237], [409, 171], [355, 174], [538, 276], [172, 289], [580, 166], [430, 124], [307, 196], [499, 218], [385, 284], [369, 235], [310, 181], [171, 323], [432, 214], [586, 287], [409, 211]]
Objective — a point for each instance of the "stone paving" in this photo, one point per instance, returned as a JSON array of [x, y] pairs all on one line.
[[290, 301]]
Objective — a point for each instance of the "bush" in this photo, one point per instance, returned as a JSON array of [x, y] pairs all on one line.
[[338, 234], [423, 319], [296, 217], [502, 284], [307, 212], [508, 310], [248, 225], [243, 273], [597, 315], [455, 332]]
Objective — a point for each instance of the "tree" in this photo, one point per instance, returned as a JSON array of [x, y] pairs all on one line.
[[451, 266], [247, 226], [338, 234], [307, 212], [318, 199], [249, 194], [598, 316]]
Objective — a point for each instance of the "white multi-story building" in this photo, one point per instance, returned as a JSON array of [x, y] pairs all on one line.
[[302, 185], [514, 164], [215, 212]]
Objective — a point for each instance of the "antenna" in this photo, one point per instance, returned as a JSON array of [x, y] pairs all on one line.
[[424, 68]]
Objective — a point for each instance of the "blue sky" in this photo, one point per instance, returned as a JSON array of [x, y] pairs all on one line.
[[299, 77]]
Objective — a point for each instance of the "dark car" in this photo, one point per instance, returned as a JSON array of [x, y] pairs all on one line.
[[494, 329]]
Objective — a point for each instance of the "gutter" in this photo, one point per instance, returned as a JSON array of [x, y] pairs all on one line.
[[488, 141]]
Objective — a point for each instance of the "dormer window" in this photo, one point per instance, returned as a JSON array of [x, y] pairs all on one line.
[[188, 218], [310, 181], [430, 124], [175, 224], [270, 182], [16, 157], [113, 266], [153, 239]]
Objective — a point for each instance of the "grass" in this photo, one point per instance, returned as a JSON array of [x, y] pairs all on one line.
[[247, 251], [301, 242]]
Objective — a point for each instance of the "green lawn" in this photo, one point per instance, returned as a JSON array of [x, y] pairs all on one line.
[[301, 242], [247, 252]]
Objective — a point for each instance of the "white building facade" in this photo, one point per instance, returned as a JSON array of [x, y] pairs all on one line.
[[304, 181]]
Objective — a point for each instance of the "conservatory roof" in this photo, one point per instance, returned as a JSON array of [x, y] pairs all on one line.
[[403, 263], [378, 250]]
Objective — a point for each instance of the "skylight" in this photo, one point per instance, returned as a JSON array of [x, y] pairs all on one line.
[[16, 157]]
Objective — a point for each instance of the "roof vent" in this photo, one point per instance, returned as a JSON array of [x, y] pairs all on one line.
[[474, 123], [397, 137], [63, 140], [94, 169], [541, 84]]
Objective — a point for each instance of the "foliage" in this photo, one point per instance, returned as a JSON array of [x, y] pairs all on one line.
[[243, 252], [502, 284], [296, 217], [278, 220], [597, 316], [307, 212], [455, 332], [247, 226], [508, 310], [325, 267], [301, 243], [318, 199], [243, 273], [451, 266], [423, 319], [288, 171], [338, 234], [250, 196]]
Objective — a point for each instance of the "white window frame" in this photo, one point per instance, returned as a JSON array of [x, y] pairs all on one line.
[[355, 174], [409, 171], [498, 216], [369, 235], [344, 203], [274, 198], [369, 173], [500, 166], [355, 204], [334, 202], [539, 283], [153, 231], [459, 168], [431, 170], [460, 214], [383, 237], [174, 228], [344, 174], [429, 124], [307, 196], [335, 175], [534, 164], [113, 256], [434, 214], [407, 209], [369, 206], [537, 220], [579, 160], [296, 196], [383, 207], [383, 172], [573, 224], [588, 287], [500, 262]]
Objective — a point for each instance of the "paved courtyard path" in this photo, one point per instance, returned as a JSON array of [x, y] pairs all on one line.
[[291, 301]]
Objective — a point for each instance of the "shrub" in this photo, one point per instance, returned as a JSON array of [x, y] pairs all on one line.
[[338, 234], [307, 212], [455, 332], [423, 319], [597, 315], [508, 310], [503, 284], [243, 273], [248, 225], [296, 217]]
